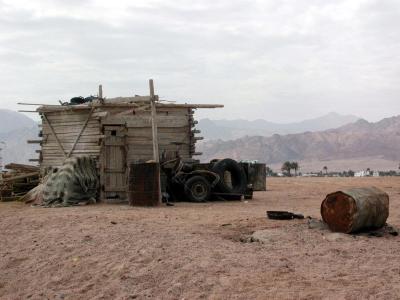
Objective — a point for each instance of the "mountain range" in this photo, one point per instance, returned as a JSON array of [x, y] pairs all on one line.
[[233, 129], [356, 145], [12, 120], [15, 130]]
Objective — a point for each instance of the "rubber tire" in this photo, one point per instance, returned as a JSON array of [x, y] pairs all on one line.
[[198, 181], [239, 180]]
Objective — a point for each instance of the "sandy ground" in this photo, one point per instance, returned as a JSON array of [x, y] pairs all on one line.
[[196, 251]]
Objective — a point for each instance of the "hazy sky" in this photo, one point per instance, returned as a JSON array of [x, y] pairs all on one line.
[[278, 60]]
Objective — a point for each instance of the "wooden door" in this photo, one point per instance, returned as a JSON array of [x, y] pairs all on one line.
[[114, 165]]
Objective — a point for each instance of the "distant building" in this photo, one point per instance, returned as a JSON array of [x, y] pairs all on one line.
[[310, 174], [360, 174], [366, 173]]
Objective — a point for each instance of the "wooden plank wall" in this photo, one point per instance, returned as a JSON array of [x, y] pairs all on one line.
[[67, 126], [174, 126]]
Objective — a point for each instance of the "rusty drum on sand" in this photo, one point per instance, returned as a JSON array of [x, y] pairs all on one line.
[[144, 184], [355, 209]]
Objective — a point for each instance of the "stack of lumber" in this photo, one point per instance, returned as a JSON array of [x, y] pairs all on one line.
[[20, 168], [19, 180]]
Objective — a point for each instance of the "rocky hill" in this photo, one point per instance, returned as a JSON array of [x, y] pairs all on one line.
[[15, 130], [358, 141], [12, 120], [233, 129]]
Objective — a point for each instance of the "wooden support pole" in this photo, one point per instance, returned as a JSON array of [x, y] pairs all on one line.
[[197, 153], [154, 122], [34, 160], [48, 108], [101, 94], [37, 104], [55, 136], [34, 141], [155, 134]]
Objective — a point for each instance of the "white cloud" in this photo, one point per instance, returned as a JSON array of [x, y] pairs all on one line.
[[279, 60]]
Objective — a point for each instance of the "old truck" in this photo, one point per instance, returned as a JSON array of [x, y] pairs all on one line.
[[218, 179]]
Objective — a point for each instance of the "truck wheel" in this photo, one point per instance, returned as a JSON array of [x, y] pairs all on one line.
[[233, 178], [197, 189]]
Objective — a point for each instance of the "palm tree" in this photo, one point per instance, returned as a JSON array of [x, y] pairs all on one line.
[[325, 168], [286, 167], [295, 166], [269, 171]]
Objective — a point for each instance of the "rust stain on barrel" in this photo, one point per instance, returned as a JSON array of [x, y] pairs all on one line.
[[355, 209]]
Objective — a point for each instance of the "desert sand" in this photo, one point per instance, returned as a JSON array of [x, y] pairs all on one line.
[[198, 251]]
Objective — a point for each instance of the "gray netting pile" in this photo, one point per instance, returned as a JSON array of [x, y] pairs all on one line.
[[76, 181]]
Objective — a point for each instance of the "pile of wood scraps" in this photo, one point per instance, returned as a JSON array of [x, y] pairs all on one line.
[[17, 181]]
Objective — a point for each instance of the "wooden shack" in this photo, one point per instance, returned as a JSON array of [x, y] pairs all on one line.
[[117, 132]]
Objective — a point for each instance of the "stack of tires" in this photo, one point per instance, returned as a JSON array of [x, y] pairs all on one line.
[[237, 183]]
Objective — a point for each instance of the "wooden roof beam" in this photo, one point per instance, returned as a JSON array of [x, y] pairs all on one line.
[[46, 108]]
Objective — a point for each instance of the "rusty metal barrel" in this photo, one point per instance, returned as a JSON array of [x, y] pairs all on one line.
[[355, 209], [144, 184]]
